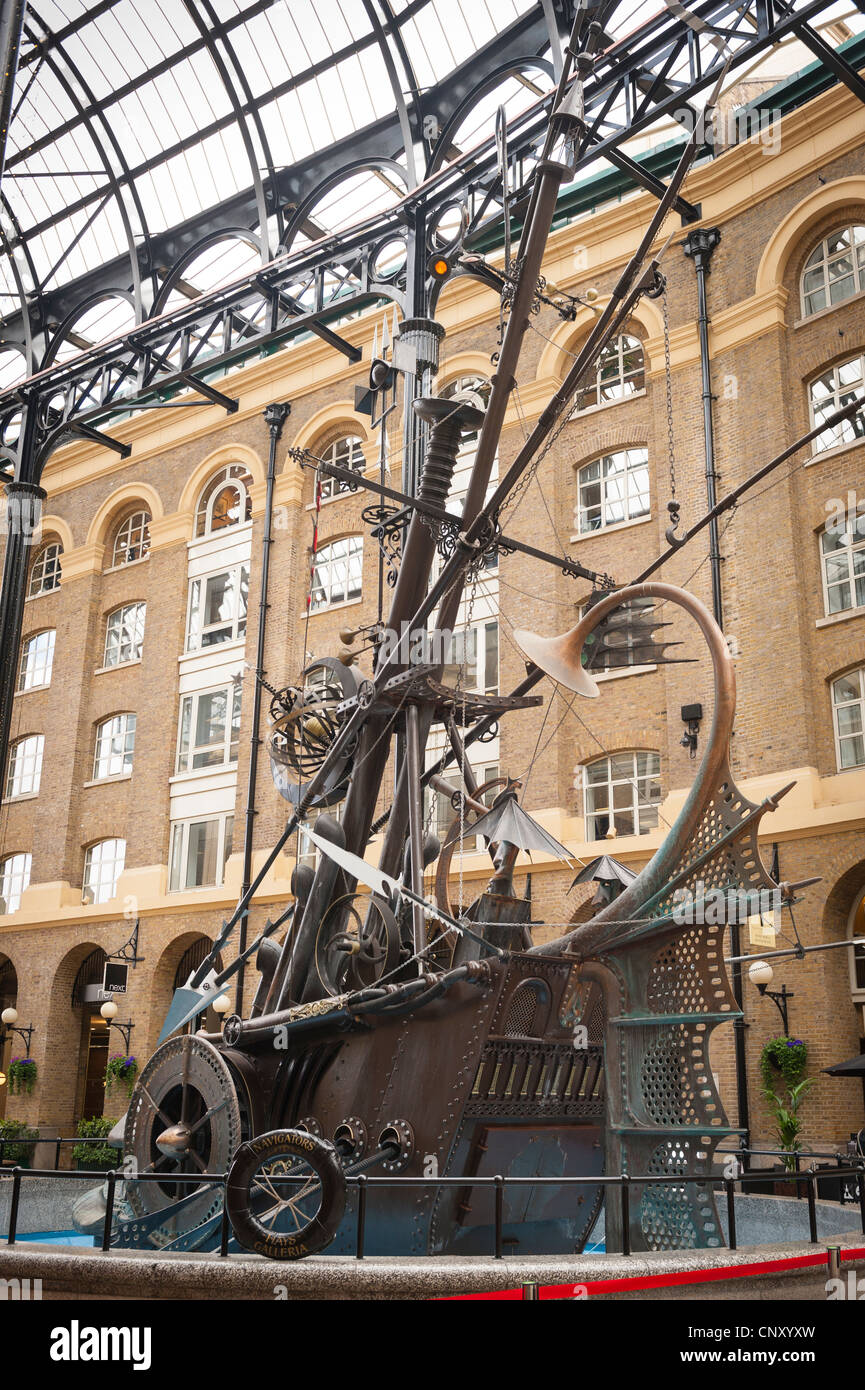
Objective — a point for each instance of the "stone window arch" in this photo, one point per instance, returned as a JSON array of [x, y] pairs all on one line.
[[224, 501], [834, 270], [46, 570]]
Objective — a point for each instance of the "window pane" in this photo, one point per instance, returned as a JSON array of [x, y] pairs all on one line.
[[201, 854], [37, 659]]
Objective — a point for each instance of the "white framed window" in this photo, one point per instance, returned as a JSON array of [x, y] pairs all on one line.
[[835, 270], [619, 372], [346, 453], [848, 713], [225, 501], [622, 790], [115, 745], [613, 489], [14, 879], [209, 729], [472, 658], [132, 539], [622, 646], [103, 865], [46, 570], [830, 391], [37, 660], [842, 555], [217, 608], [24, 772], [124, 634], [337, 573], [199, 850]]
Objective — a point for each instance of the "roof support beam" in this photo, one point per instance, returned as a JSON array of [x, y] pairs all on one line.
[[78, 427], [832, 59], [689, 212], [228, 403], [327, 335]]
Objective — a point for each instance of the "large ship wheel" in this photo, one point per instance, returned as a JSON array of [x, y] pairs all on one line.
[[184, 1118]]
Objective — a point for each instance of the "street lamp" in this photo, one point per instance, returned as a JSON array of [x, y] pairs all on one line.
[[221, 1005], [9, 1018], [761, 974], [109, 1013]]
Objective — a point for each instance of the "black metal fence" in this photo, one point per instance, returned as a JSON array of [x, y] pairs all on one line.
[[362, 1182]]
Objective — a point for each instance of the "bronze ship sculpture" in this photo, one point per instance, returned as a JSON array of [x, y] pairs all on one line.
[[395, 1035]]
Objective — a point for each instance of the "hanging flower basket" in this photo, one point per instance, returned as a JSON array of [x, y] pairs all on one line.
[[120, 1074], [22, 1076]]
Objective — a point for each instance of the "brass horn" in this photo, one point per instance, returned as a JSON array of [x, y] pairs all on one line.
[[561, 657]]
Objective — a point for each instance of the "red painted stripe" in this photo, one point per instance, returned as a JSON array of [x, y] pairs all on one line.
[[677, 1277]]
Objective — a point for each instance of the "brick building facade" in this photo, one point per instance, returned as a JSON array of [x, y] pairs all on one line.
[[162, 799]]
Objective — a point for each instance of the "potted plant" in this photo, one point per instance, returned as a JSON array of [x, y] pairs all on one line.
[[782, 1067], [22, 1076], [96, 1156], [19, 1155], [120, 1075]]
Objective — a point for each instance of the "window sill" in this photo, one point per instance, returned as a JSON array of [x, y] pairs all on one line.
[[106, 781], [842, 617], [43, 593], [31, 690], [129, 564], [120, 666], [236, 644], [21, 796], [331, 608], [605, 405], [834, 452], [605, 530], [830, 309], [617, 675], [201, 772]]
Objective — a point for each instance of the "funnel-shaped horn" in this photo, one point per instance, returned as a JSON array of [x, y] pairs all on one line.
[[560, 657]]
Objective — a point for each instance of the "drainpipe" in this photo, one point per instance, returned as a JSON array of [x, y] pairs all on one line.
[[699, 246], [275, 416]]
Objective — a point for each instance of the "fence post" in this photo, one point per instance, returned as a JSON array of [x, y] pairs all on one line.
[[57, 1153], [13, 1207], [626, 1213], [530, 1291], [812, 1205], [731, 1213], [833, 1261], [500, 1209], [361, 1215], [109, 1211]]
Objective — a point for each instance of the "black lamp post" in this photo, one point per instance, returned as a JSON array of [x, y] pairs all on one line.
[[9, 1019], [761, 974]]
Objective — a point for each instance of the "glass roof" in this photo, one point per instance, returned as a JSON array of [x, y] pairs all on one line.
[[142, 127]]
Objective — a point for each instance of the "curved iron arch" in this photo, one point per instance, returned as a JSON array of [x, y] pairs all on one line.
[[489, 84], [212, 239], [75, 314], [315, 194]]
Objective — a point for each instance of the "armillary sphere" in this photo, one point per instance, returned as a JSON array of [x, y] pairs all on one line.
[[184, 1118], [356, 944], [460, 832], [285, 1194]]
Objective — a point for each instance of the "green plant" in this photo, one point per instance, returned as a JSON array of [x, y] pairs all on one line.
[[22, 1076], [95, 1155], [120, 1073], [789, 1056], [17, 1129], [785, 1059]]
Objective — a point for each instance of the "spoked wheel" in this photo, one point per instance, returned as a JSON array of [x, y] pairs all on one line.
[[184, 1118], [356, 944], [285, 1194]]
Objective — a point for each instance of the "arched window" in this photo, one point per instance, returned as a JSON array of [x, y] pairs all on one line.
[[619, 372], [835, 269], [347, 452], [225, 501], [103, 865], [24, 772], [613, 489], [131, 539], [833, 389], [622, 791], [842, 555], [848, 713], [115, 745], [124, 634], [337, 575], [37, 660], [14, 879], [46, 570]]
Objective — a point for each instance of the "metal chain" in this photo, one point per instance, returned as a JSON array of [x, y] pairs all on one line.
[[668, 378]]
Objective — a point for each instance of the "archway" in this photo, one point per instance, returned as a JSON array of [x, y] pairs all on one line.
[[177, 962], [76, 1048], [8, 1000]]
